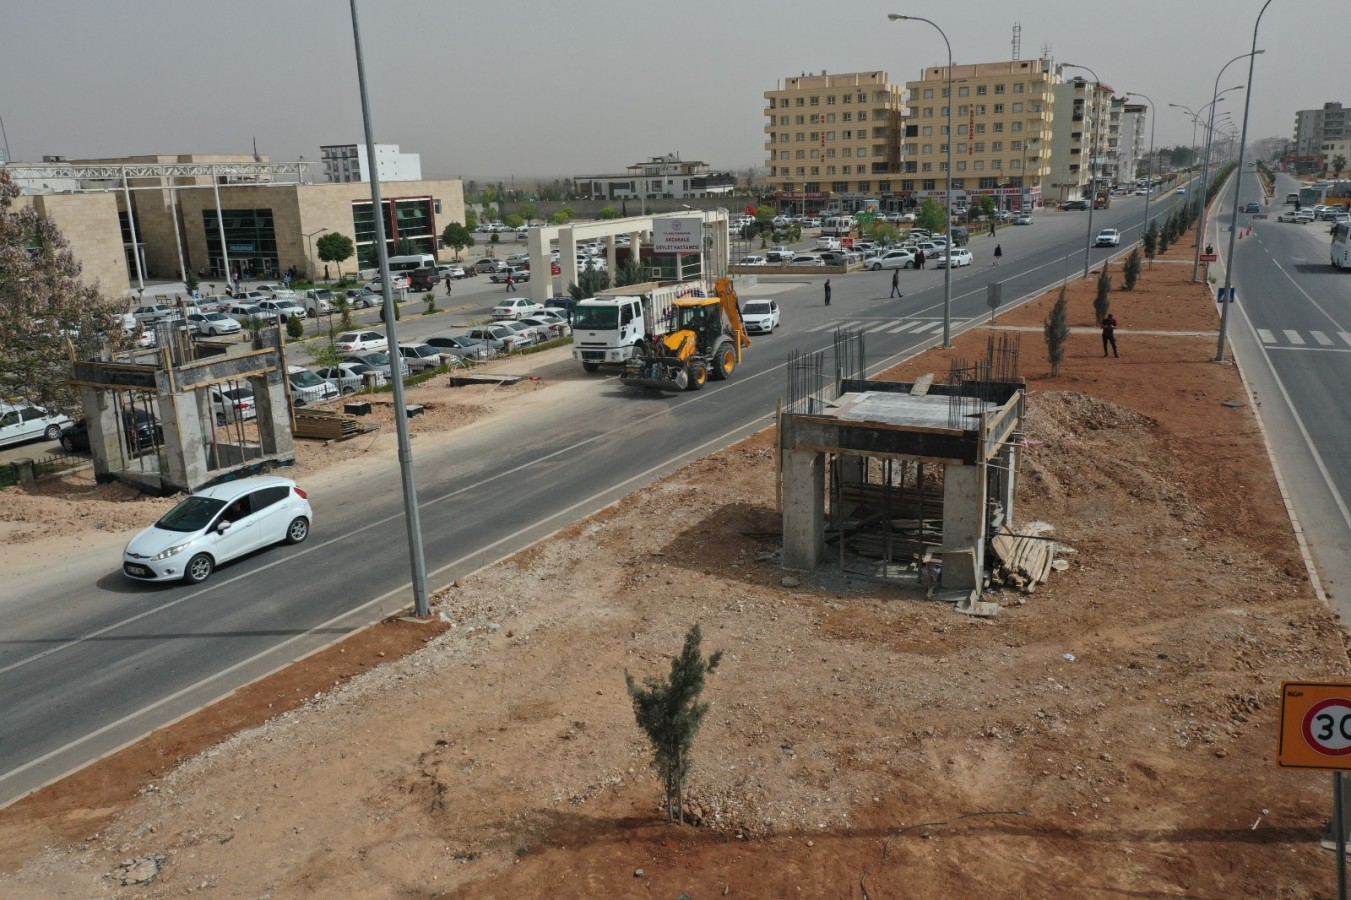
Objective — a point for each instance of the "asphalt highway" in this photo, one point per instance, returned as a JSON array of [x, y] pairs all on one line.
[[90, 662]]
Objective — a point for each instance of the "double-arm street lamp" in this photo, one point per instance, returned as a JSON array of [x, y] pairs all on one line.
[[1205, 163], [1149, 191], [947, 270], [1092, 160]]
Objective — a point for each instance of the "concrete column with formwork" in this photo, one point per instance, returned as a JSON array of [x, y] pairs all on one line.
[[541, 283], [1008, 464], [804, 509], [105, 433], [184, 449], [274, 415], [963, 527]]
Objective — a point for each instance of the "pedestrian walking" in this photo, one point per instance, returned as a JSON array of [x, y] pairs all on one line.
[[1109, 335], [919, 260], [827, 292], [896, 283], [998, 252], [447, 285], [991, 228], [511, 282]]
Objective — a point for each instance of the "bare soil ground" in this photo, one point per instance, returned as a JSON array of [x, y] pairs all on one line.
[[1112, 734]]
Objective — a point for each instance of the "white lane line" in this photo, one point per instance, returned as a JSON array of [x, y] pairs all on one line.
[[1321, 338], [1293, 337], [903, 327], [1346, 336], [822, 327], [1266, 336]]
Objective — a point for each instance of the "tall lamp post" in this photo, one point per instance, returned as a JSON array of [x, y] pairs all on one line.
[[1149, 192], [5, 135], [1196, 120], [1205, 163], [1092, 163], [947, 270], [1229, 268], [309, 241]]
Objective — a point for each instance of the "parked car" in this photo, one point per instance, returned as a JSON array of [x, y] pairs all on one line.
[[488, 265], [454, 270], [1081, 204], [1289, 217], [806, 259], [421, 357], [26, 421], [515, 308], [243, 311], [364, 298], [1303, 216], [358, 341], [461, 346], [308, 388], [496, 336], [317, 302], [349, 377], [254, 297], [271, 290], [752, 261], [780, 254], [760, 316], [516, 274], [233, 404], [826, 242], [1023, 219], [1108, 237], [397, 281], [1252, 208], [379, 360], [526, 335], [960, 256], [282, 309], [151, 313], [893, 259], [214, 324], [218, 524]]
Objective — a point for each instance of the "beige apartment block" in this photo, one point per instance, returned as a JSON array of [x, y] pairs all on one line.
[[1085, 139], [1003, 116], [834, 140]]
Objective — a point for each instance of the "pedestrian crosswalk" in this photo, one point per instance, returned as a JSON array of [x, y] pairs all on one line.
[[1290, 337], [890, 326]]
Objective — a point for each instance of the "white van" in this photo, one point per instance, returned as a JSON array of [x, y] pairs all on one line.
[[838, 226], [404, 265]]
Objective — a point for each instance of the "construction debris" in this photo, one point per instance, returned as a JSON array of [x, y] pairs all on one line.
[[1023, 560]]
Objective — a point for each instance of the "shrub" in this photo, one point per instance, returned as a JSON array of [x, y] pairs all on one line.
[[430, 299], [1057, 331], [396, 312], [295, 328], [1130, 272]]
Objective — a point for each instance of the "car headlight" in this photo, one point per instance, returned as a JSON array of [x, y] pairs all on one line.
[[170, 551]]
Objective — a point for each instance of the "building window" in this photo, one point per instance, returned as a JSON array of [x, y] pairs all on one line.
[[848, 98], [928, 149], [942, 148], [963, 109], [801, 154], [816, 136], [847, 152], [907, 184], [848, 135], [830, 118], [1015, 164], [928, 93], [928, 112], [816, 118], [980, 146], [961, 165], [999, 127], [963, 91], [961, 148], [943, 166], [1017, 126], [980, 109], [928, 130], [999, 109], [910, 149], [1015, 145], [979, 165], [1018, 88], [801, 120], [865, 185], [816, 101], [862, 116], [830, 153], [801, 171], [848, 170], [927, 184], [996, 164], [884, 185], [981, 89], [999, 89], [926, 167], [799, 101], [801, 137], [830, 170], [816, 170], [847, 117], [815, 154], [1018, 107], [862, 97], [961, 129], [997, 146], [783, 120], [862, 151], [980, 128]]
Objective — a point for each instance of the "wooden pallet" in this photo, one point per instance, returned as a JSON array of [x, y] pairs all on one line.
[[326, 425], [1025, 561]]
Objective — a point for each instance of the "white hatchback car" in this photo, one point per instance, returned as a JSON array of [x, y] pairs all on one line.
[[960, 256], [216, 525], [760, 316], [1108, 237]]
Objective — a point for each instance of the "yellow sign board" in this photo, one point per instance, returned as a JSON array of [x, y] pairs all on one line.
[[1315, 728]]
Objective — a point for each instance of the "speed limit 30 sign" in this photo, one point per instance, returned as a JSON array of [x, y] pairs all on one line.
[[1315, 726]]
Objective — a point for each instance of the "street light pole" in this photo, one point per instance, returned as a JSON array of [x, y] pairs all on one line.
[[1205, 164], [5, 135], [1092, 163], [1153, 114], [412, 516], [1233, 220], [309, 240], [947, 270]]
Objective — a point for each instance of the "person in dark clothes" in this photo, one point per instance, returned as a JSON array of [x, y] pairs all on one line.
[[1109, 335], [827, 292], [998, 252], [896, 283], [992, 229], [919, 260]]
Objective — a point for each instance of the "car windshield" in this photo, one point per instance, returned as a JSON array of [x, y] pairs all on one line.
[[305, 379], [239, 394], [757, 309], [192, 514], [596, 317], [376, 358], [425, 350]]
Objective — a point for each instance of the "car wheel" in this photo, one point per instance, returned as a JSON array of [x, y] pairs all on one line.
[[67, 444], [591, 367], [877, 267], [199, 569], [311, 314], [53, 432], [298, 530]]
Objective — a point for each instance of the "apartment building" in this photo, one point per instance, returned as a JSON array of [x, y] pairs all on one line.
[[1133, 146], [1003, 116], [835, 141], [1084, 141], [348, 163], [1321, 132]]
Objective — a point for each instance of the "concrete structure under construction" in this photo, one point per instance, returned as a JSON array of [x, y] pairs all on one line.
[[1003, 118], [835, 141]]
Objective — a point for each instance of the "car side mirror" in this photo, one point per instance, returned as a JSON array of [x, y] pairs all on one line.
[[223, 527]]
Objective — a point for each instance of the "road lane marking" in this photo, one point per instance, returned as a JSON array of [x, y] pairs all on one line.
[[1321, 338], [1293, 337], [1266, 336]]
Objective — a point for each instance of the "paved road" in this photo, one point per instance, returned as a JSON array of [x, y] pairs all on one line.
[[1291, 331], [89, 661]]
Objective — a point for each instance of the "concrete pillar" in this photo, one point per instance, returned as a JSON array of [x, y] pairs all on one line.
[[1008, 463], [185, 455], [105, 434], [540, 285], [274, 415], [963, 527], [636, 248], [804, 509], [610, 256], [567, 257]]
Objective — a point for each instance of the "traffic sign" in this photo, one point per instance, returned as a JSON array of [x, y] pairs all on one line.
[[1315, 728], [1210, 257], [1219, 295]]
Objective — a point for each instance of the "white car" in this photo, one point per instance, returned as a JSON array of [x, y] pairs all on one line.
[[516, 308], [233, 404], [893, 259], [216, 525], [760, 316], [359, 341], [308, 388], [806, 259], [1108, 237], [752, 261], [154, 312], [282, 309], [24, 422], [350, 377], [825, 242], [1290, 217], [213, 323], [1023, 219], [397, 281], [960, 256]]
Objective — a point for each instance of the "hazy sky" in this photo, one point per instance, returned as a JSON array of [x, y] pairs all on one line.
[[539, 87]]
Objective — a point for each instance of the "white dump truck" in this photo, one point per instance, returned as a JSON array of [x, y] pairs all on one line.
[[622, 322]]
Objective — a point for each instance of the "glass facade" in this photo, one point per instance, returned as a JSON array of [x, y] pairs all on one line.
[[249, 237], [410, 218]]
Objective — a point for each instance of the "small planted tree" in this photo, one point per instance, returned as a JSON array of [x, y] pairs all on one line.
[[528, 212], [1102, 301], [344, 312], [987, 205], [1151, 241], [513, 221], [1057, 331], [590, 282], [430, 299], [628, 272], [669, 712], [1130, 271], [295, 328], [1163, 241], [191, 282], [456, 237], [405, 247], [931, 217], [396, 312], [608, 212]]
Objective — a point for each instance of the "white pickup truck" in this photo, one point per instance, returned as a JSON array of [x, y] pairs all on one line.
[[318, 302]]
